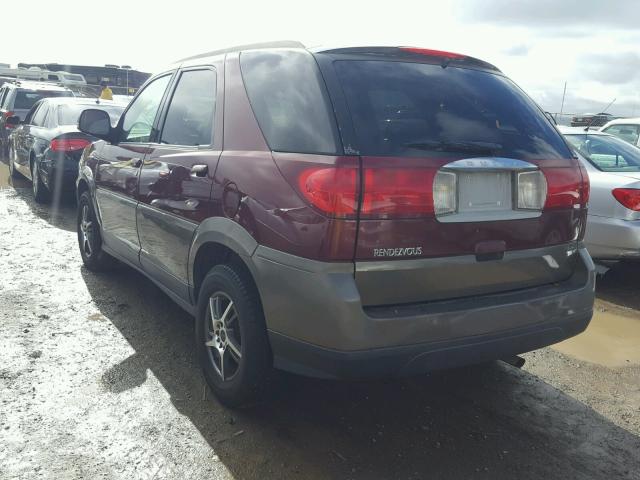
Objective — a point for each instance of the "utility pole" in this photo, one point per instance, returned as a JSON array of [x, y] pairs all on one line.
[[564, 92]]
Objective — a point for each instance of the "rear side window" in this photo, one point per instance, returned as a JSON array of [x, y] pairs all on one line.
[[70, 114], [628, 133], [40, 115], [290, 102], [607, 153], [407, 109], [26, 98], [189, 119]]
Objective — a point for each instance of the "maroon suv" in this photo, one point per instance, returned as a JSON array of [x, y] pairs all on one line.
[[342, 213]]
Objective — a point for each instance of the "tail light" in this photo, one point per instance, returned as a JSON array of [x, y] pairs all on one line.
[[565, 188], [68, 144], [397, 192], [629, 197], [332, 190], [433, 53], [386, 192], [6, 115]]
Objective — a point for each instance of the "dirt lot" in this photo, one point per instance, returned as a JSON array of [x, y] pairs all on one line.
[[98, 380]]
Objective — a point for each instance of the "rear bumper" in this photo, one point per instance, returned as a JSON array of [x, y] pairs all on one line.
[[612, 238], [59, 173], [318, 326]]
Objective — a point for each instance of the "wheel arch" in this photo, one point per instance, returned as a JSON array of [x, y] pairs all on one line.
[[216, 241]]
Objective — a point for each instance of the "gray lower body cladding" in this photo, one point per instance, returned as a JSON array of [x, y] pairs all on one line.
[[319, 327]]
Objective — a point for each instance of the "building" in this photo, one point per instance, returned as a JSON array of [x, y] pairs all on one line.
[[122, 79]]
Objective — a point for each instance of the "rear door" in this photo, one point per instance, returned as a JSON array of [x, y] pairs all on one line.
[[118, 166], [177, 176], [467, 189]]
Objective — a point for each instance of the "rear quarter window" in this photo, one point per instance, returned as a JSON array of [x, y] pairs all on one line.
[[403, 109], [289, 100]]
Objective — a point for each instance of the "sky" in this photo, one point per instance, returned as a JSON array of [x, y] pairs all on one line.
[[592, 45]]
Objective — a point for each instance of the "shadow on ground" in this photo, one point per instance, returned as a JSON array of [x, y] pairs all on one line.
[[481, 422]]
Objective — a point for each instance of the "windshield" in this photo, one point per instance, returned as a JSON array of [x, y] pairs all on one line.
[[405, 109], [606, 152], [25, 98], [69, 114]]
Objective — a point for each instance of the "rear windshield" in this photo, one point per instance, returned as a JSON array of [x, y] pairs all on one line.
[[70, 114], [607, 153], [407, 109], [26, 98], [289, 100]]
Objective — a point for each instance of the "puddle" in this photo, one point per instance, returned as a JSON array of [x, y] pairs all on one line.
[[611, 340]]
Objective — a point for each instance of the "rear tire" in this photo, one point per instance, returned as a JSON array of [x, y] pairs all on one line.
[[41, 193], [89, 239], [233, 349]]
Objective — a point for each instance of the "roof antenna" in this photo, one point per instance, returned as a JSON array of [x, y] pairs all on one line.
[[603, 111]]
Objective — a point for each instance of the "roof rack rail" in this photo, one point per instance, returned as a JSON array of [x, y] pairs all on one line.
[[250, 46]]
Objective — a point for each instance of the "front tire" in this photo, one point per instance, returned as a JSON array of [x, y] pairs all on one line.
[[12, 167], [41, 193], [89, 239], [231, 337]]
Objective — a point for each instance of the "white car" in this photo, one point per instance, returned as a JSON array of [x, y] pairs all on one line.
[[627, 129], [613, 223]]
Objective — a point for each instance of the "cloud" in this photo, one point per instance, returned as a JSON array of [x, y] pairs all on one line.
[[556, 14], [610, 69], [517, 50]]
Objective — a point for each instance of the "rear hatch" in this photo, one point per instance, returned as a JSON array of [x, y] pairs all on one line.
[[465, 186]]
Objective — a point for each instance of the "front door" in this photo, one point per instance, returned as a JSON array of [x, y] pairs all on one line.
[[118, 167], [177, 177]]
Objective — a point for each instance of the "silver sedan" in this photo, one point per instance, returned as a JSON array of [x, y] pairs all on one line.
[[613, 225]]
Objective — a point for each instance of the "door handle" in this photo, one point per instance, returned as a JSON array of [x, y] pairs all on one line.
[[136, 162], [199, 170]]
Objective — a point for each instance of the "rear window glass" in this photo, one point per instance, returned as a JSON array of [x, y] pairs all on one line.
[[25, 98], [70, 114], [289, 100], [607, 153], [407, 109]]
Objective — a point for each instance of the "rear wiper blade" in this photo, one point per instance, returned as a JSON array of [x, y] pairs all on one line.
[[443, 146]]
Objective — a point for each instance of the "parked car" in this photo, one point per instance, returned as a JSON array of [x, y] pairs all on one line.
[[17, 98], [627, 129], [613, 225], [47, 146], [591, 119], [348, 213]]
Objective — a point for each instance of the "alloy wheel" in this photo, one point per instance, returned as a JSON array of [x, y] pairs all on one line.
[[34, 179], [223, 339], [86, 229]]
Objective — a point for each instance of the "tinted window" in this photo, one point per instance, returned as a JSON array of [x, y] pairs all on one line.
[[69, 114], [607, 153], [3, 95], [138, 121], [289, 100], [26, 98], [628, 133], [405, 109], [31, 113], [189, 119], [40, 116]]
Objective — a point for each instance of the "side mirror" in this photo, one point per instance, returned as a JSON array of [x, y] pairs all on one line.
[[13, 120], [96, 123]]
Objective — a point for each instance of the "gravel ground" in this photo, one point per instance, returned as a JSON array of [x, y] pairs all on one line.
[[98, 380]]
